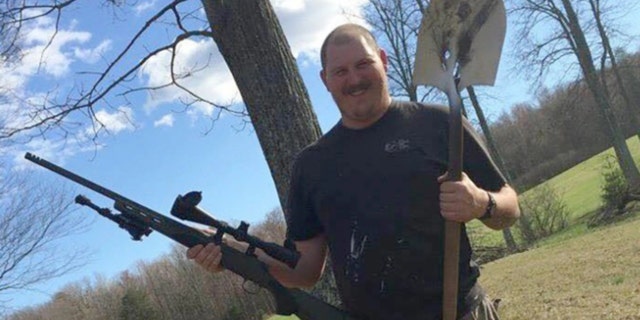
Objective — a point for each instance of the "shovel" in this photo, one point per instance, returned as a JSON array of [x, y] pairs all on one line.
[[459, 45]]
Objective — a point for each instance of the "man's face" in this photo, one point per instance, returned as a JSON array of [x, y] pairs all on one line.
[[355, 74]]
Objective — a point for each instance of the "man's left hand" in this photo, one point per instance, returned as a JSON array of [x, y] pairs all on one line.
[[461, 201]]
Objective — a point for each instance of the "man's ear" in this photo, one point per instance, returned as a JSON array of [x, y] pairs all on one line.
[[323, 77], [384, 59]]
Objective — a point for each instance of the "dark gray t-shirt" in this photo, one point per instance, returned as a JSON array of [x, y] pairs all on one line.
[[374, 193]]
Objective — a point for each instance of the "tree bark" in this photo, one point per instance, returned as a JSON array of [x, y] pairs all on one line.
[[608, 51], [250, 38], [585, 60], [495, 154]]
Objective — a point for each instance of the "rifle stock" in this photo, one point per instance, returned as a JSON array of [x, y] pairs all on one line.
[[140, 220]]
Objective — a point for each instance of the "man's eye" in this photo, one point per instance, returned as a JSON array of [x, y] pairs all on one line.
[[364, 64], [339, 72]]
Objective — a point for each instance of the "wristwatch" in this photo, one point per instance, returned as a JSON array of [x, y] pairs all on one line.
[[490, 206]]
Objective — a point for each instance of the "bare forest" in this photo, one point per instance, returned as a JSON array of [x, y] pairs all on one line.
[[541, 139], [170, 287]]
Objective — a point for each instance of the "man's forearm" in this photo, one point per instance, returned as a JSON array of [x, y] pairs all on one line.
[[506, 210], [313, 253], [291, 278]]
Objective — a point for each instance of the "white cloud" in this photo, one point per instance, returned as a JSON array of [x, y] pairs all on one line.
[[92, 55], [308, 25], [57, 151], [288, 5], [11, 80], [144, 6], [167, 120], [115, 122], [19, 107], [209, 76], [305, 24], [45, 55], [38, 77]]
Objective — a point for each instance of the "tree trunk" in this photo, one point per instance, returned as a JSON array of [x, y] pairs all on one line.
[[493, 149], [495, 154], [250, 38], [586, 64], [595, 5]]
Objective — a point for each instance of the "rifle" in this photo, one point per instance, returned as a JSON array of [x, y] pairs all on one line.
[[140, 221]]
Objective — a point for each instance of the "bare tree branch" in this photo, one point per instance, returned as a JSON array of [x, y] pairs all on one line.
[[49, 114], [34, 217], [396, 24]]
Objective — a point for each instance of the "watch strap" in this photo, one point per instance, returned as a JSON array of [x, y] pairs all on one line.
[[488, 213]]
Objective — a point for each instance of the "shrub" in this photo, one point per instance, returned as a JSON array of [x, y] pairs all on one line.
[[614, 190], [546, 213], [614, 193]]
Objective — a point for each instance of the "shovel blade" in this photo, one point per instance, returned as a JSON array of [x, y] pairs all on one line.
[[486, 47], [462, 38], [429, 66]]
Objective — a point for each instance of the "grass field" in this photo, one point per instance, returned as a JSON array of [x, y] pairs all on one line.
[[580, 273], [578, 187], [593, 276]]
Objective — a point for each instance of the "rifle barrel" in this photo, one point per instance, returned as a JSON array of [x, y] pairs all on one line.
[[80, 180]]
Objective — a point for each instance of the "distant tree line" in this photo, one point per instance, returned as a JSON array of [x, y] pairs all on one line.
[[539, 141], [171, 288]]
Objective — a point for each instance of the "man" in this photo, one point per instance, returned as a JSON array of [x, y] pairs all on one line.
[[372, 192]]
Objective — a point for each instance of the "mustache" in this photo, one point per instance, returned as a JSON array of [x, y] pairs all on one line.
[[362, 85]]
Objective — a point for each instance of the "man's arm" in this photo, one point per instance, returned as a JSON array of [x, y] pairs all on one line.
[[463, 201], [313, 253], [506, 210]]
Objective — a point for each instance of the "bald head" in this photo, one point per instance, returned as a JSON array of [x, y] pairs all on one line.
[[344, 34]]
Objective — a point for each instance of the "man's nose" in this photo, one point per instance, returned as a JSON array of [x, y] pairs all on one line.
[[353, 77]]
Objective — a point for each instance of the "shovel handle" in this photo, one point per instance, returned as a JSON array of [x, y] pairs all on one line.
[[452, 228], [451, 261]]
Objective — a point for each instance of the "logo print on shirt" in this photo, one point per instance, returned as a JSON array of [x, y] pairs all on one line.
[[397, 145]]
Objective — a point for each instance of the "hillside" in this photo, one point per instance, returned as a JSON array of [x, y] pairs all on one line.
[[580, 273], [593, 276]]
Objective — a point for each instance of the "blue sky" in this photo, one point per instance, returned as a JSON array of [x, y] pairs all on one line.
[[154, 153]]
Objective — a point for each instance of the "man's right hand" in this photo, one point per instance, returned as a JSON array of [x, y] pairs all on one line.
[[305, 275], [208, 257]]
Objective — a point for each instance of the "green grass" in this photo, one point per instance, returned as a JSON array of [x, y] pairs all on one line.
[[579, 273], [578, 187], [592, 276]]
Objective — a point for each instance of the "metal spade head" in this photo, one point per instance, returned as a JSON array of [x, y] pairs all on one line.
[[460, 38]]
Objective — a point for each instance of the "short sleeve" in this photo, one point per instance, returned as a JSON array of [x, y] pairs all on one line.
[[478, 164], [302, 219]]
